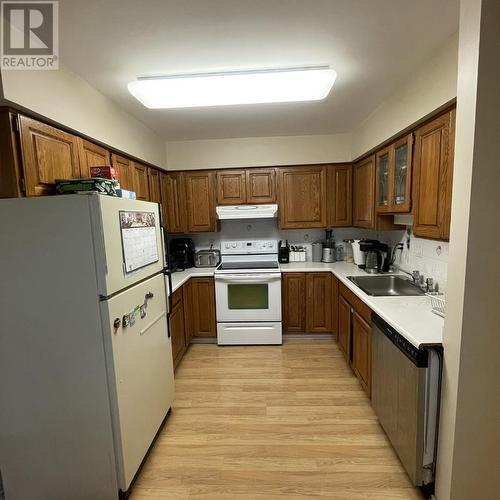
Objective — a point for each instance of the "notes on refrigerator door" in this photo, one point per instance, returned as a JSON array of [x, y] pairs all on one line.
[[139, 240]]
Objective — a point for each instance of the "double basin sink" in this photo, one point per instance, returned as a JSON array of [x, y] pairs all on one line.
[[386, 286]]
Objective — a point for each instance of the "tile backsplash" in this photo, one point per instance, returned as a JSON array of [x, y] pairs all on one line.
[[427, 256], [430, 257]]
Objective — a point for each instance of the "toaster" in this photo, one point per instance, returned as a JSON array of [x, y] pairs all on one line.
[[207, 258]]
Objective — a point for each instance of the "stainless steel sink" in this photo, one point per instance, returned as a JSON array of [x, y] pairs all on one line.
[[385, 285]]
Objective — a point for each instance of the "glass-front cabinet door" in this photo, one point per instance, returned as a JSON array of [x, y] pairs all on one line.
[[401, 189], [383, 180]]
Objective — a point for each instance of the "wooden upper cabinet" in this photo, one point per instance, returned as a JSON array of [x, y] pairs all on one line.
[[302, 197], [432, 177], [364, 193], [48, 154], [203, 307], [293, 302], [154, 185], [384, 170], [91, 155], [200, 197], [253, 185], [125, 168], [173, 202], [141, 181], [261, 185], [319, 304], [402, 174], [340, 195], [393, 177], [231, 187], [11, 176]]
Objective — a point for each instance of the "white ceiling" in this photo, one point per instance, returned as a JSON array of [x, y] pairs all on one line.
[[372, 44]]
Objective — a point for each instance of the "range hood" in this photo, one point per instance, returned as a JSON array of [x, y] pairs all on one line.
[[227, 212]]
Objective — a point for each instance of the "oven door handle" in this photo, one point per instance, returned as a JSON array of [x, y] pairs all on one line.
[[247, 278]]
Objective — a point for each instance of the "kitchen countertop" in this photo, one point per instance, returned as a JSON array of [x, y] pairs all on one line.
[[412, 317], [180, 277]]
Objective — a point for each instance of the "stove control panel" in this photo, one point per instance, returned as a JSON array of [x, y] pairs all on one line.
[[245, 247]]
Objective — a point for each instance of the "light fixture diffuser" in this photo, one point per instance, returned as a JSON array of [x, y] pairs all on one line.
[[239, 87]]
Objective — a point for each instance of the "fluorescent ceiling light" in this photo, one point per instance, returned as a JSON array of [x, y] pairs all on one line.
[[242, 87]]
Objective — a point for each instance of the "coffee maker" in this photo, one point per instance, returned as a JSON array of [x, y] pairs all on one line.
[[181, 255], [377, 256]]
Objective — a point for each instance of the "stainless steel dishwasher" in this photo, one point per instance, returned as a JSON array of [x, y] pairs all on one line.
[[406, 397]]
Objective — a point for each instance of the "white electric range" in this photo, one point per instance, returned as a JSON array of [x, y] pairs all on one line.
[[248, 293]]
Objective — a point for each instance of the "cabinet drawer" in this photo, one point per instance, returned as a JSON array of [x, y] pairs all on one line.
[[361, 308]]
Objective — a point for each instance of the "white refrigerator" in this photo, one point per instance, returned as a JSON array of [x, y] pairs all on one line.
[[86, 372]]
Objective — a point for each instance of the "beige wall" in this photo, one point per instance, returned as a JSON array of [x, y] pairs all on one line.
[[469, 443], [68, 99], [433, 85], [258, 151]]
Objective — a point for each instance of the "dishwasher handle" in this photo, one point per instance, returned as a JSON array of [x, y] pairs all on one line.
[[419, 357]]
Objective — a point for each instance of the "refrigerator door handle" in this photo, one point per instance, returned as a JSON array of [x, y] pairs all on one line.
[[169, 292]]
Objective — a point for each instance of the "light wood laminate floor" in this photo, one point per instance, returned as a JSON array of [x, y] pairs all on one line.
[[271, 422]]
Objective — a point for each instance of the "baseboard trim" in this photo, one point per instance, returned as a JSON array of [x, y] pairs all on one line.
[[308, 336], [204, 341], [286, 336]]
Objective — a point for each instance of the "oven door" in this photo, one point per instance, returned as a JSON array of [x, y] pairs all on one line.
[[248, 297]]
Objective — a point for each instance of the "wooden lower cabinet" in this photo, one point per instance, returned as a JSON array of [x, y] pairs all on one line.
[[188, 312], [362, 351], [344, 327], [191, 318], [177, 332], [203, 308], [355, 335], [307, 302], [293, 294], [319, 303]]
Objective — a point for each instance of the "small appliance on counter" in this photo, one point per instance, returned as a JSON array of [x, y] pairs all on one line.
[[297, 253], [181, 254], [317, 251], [377, 258], [348, 255], [207, 258], [358, 256], [328, 247], [283, 252]]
